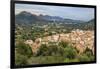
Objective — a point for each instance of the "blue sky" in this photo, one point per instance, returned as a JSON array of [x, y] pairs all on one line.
[[76, 13]]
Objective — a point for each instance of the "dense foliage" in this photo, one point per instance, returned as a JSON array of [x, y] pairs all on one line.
[[51, 53]]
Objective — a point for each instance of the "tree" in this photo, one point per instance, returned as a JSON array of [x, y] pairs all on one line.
[[43, 50], [69, 51], [24, 49], [50, 50]]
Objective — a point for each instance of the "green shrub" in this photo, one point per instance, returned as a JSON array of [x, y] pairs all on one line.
[[63, 44], [43, 50], [83, 58], [22, 53], [50, 50], [63, 49], [24, 49], [88, 52], [20, 59], [69, 51], [86, 57]]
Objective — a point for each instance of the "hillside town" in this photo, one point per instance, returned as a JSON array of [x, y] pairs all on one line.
[[80, 39]]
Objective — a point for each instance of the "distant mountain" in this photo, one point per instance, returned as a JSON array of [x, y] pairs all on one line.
[[91, 22], [50, 18], [87, 25], [27, 17]]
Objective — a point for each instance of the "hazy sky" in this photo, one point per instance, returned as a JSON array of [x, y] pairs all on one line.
[[76, 13]]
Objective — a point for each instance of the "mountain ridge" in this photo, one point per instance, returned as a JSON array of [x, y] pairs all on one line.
[[27, 16]]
